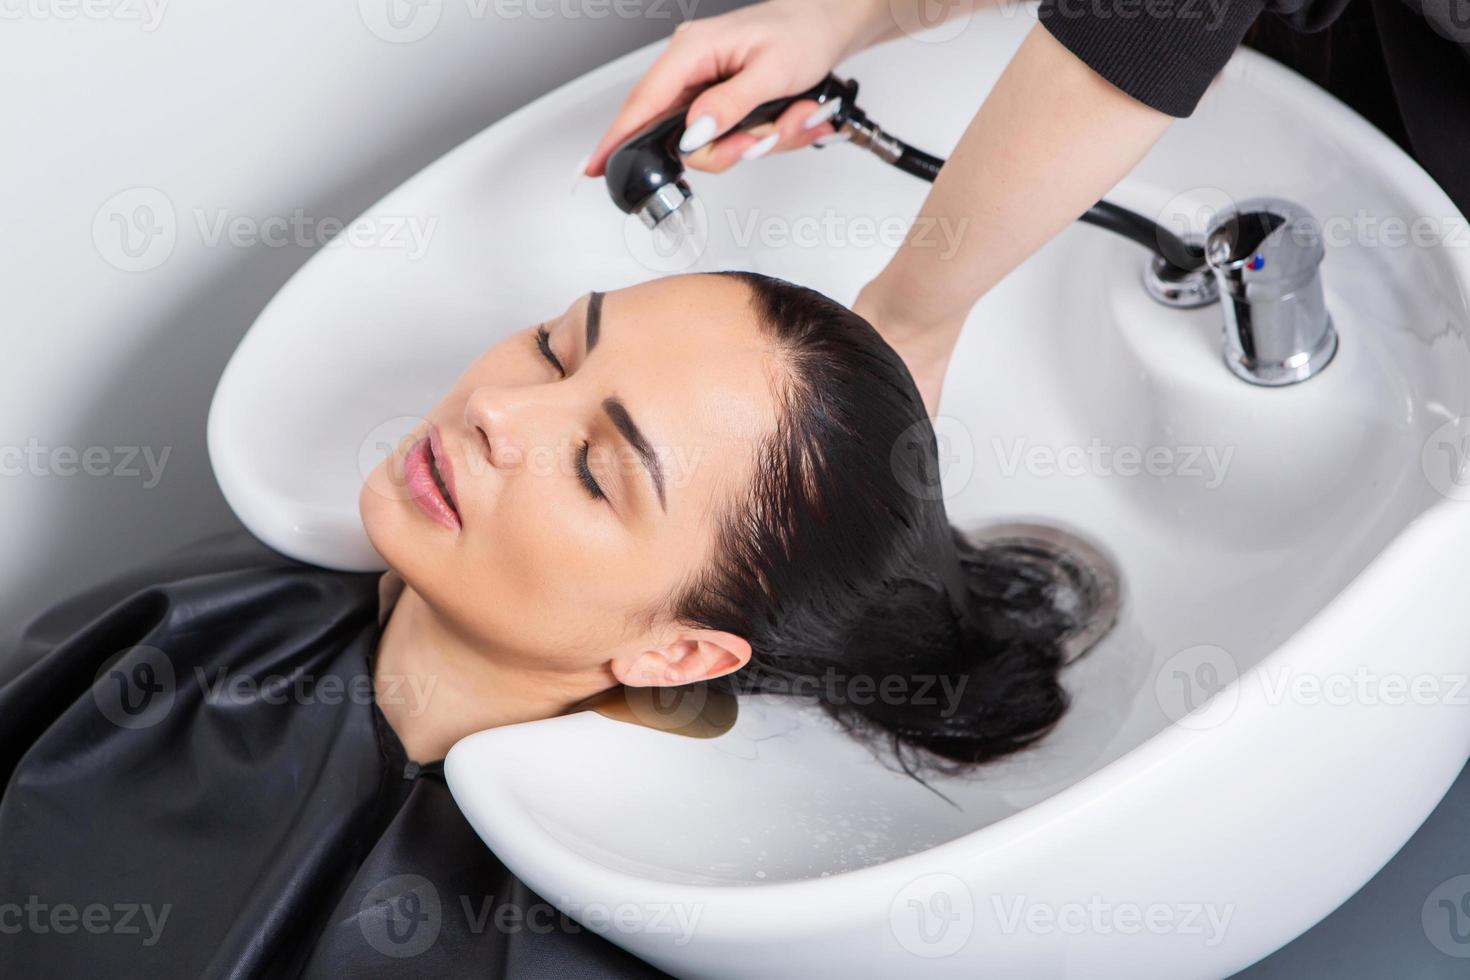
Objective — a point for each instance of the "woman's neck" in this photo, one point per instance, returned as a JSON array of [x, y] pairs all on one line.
[[435, 689]]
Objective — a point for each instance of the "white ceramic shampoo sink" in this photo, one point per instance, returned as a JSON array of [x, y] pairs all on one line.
[[1282, 702]]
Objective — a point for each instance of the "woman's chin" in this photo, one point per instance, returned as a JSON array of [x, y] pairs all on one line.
[[392, 525]]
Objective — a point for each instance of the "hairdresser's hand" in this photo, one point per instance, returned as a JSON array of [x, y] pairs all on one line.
[[924, 347], [762, 52]]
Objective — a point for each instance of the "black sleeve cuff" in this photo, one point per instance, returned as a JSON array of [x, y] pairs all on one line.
[[1164, 53]]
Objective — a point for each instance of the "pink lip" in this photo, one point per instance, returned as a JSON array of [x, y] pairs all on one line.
[[419, 478], [441, 457]]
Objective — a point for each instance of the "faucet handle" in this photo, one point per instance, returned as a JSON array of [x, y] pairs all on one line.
[[1266, 254]]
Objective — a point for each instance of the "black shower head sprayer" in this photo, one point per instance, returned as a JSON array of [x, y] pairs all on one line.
[[645, 176]]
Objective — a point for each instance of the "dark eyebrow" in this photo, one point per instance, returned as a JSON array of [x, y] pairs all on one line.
[[624, 422], [594, 319]]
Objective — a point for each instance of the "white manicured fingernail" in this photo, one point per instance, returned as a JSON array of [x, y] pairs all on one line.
[[581, 172], [829, 140], [700, 133], [757, 150], [824, 112]]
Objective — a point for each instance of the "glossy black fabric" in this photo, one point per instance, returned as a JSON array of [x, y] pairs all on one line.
[[198, 783]]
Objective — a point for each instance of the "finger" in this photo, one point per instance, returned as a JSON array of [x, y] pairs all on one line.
[[721, 106], [794, 131], [789, 130], [727, 151], [678, 71]]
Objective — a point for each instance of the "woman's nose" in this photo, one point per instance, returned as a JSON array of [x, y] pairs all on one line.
[[509, 423]]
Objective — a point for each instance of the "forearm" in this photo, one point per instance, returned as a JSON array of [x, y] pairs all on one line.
[[1049, 141]]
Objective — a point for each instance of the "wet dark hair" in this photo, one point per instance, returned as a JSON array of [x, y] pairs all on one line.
[[839, 565]]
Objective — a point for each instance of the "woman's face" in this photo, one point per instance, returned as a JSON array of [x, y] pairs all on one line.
[[588, 459]]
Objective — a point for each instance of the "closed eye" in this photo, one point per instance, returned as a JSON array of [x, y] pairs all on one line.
[[584, 473], [543, 342]]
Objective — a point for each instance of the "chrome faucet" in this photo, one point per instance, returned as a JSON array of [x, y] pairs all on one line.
[[1264, 256]]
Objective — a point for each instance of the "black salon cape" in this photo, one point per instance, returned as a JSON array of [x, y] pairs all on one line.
[[199, 740]]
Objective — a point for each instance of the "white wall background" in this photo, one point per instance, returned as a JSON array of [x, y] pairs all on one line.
[[302, 112]]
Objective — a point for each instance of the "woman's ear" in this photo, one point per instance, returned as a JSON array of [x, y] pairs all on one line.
[[694, 655]]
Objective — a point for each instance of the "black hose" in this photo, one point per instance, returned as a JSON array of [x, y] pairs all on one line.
[[917, 162], [1150, 234], [1104, 214]]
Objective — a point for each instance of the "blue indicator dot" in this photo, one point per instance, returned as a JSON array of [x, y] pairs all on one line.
[[1256, 262]]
